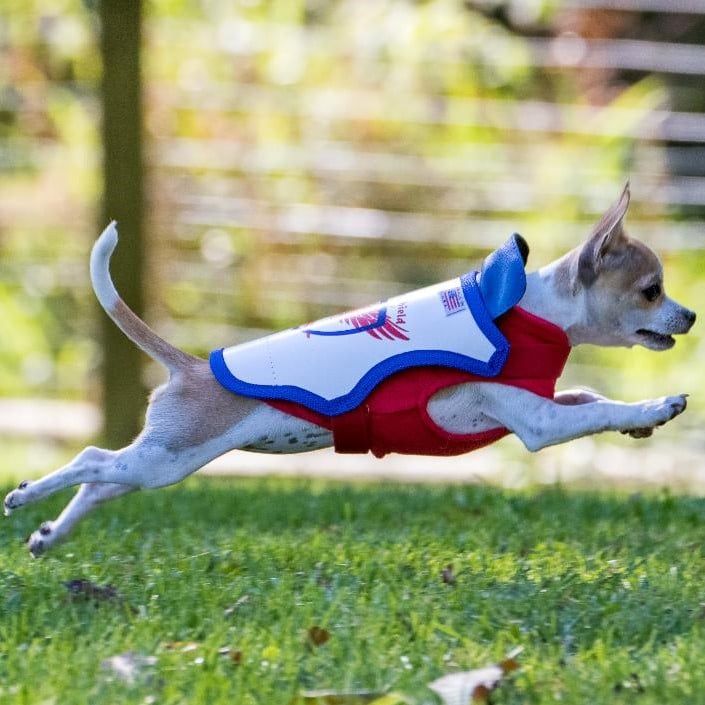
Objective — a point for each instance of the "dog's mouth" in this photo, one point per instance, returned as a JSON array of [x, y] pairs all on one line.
[[655, 341]]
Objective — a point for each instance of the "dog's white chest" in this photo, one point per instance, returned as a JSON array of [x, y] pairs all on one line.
[[331, 365]]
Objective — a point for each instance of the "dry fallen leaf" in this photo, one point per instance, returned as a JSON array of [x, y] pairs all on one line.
[[80, 589], [318, 635], [228, 611], [510, 663], [129, 666], [462, 688], [447, 575], [234, 655], [453, 689], [476, 685], [184, 646]]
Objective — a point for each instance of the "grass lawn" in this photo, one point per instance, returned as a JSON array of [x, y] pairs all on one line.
[[606, 593]]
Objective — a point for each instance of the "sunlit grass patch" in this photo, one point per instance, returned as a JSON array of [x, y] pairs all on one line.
[[220, 582]]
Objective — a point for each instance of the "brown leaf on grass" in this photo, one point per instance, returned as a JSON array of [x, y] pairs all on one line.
[[183, 646], [509, 664], [318, 635], [462, 688], [228, 611], [234, 655], [447, 575], [80, 589], [476, 685], [128, 667]]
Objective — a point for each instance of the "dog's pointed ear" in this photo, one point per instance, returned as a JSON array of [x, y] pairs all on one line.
[[606, 236]]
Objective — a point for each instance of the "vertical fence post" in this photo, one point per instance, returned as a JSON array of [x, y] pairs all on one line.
[[123, 172]]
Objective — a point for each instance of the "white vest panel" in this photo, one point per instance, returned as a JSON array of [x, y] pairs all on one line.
[[331, 365]]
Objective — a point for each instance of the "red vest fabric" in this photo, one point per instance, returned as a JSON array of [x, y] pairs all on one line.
[[394, 417]]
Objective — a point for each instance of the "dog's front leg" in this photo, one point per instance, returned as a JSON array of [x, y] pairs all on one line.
[[571, 397], [541, 422]]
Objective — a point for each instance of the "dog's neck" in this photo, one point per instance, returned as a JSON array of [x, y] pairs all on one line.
[[552, 295]]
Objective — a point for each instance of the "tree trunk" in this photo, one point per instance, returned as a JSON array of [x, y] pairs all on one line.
[[123, 391]]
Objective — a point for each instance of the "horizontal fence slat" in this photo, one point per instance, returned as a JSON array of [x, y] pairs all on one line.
[[375, 224], [512, 116], [244, 38], [682, 7]]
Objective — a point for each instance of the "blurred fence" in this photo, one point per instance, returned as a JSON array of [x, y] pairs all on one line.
[[306, 157]]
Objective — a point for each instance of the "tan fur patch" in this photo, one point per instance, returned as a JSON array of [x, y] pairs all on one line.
[[193, 408], [143, 336], [632, 261]]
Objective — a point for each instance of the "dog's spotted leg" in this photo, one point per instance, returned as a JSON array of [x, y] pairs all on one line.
[[88, 497], [145, 463]]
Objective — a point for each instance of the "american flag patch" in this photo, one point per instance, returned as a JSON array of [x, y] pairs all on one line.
[[453, 300]]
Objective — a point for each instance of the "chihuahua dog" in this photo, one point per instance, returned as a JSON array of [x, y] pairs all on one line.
[[608, 291]]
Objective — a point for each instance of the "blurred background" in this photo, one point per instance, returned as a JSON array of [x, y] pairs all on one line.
[[274, 161]]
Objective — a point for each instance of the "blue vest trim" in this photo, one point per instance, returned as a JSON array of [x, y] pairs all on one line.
[[384, 369]]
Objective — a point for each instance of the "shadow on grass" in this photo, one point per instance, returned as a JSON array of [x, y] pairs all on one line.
[[594, 520], [273, 505]]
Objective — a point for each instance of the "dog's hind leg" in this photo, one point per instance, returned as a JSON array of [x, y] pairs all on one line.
[[91, 464], [170, 448], [144, 463], [88, 497]]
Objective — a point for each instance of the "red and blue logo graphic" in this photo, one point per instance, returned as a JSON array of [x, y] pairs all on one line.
[[377, 323]]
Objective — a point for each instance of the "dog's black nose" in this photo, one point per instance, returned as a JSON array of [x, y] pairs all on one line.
[[690, 317]]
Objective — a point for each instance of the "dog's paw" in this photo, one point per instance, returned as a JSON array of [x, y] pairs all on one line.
[[41, 539], [655, 413], [15, 499], [673, 406]]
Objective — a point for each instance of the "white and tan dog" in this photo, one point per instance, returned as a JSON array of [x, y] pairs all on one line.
[[609, 291]]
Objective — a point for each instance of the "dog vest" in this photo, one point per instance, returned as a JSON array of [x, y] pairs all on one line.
[[367, 375]]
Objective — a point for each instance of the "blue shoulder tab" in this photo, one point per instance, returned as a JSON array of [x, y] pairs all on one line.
[[503, 279]]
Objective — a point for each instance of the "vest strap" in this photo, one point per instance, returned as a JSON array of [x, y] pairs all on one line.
[[351, 431]]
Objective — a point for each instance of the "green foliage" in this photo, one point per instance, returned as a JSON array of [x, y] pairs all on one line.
[[393, 108], [603, 592]]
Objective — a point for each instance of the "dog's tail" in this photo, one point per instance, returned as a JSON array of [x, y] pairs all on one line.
[[126, 319]]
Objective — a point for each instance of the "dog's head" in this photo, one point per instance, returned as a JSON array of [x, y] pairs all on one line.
[[622, 282]]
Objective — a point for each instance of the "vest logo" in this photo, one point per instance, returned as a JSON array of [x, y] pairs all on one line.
[[453, 300], [382, 325]]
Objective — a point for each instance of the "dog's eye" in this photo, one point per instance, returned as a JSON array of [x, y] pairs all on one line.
[[651, 293]]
